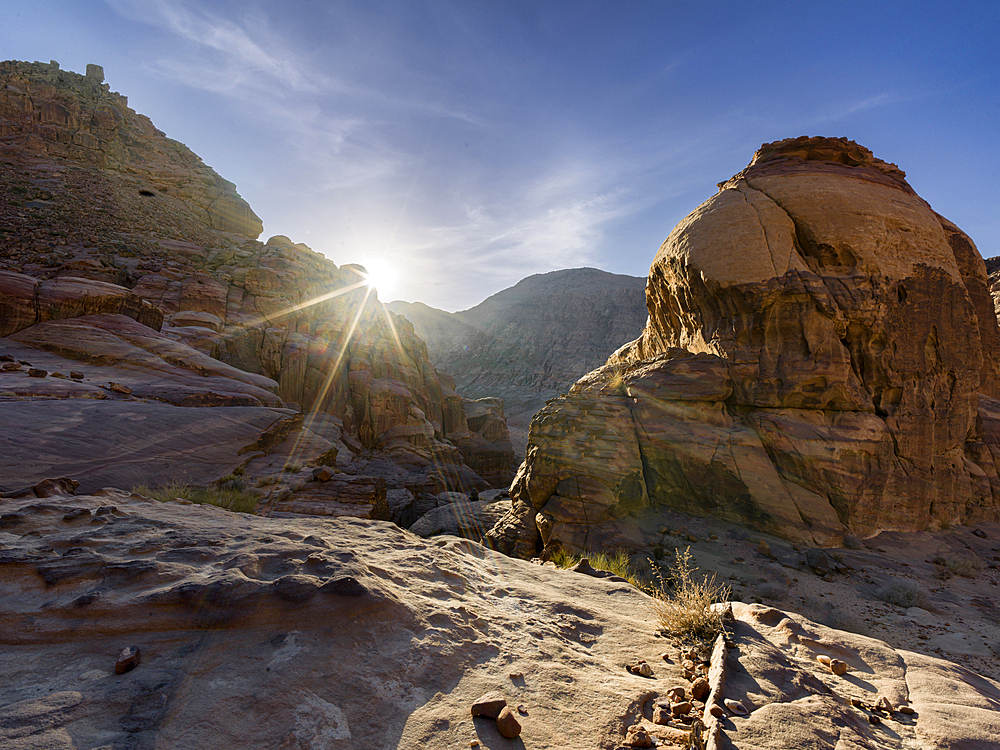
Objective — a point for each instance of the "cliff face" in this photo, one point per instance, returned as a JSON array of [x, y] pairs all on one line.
[[95, 193], [821, 356], [531, 342]]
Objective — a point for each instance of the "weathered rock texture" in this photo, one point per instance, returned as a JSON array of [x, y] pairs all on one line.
[[530, 342], [821, 356], [290, 633], [105, 219]]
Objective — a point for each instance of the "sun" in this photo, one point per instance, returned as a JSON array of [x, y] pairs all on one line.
[[382, 276]]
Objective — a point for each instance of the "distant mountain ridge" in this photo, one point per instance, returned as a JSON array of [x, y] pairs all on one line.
[[532, 341]]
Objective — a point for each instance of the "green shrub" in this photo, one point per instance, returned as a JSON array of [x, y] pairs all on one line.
[[234, 500], [616, 562]]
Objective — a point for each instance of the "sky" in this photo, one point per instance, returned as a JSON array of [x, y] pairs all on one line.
[[455, 147]]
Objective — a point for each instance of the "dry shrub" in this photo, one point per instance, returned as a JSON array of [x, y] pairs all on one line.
[[685, 610], [903, 594], [614, 561]]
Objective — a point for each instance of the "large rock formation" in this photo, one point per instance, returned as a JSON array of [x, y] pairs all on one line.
[[530, 342], [103, 216], [288, 633], [821, 357]]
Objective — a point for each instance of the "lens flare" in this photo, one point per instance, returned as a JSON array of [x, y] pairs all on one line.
[[382, 276]]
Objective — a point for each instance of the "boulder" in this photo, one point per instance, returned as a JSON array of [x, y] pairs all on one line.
[[821, 357]]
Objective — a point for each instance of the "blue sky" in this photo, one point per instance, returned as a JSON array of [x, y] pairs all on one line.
[[465, 145]]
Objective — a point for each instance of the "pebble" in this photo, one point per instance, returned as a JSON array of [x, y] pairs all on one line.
[[507, 723], [838, 667], [473, 743], [908, 710], [661, 716], [128, 660], [681, 709], [639, 667], [516, 675], [824, 659], [35, 372], [677, 694], [717, 711], [638, 737], [700, 689], [764, 548], [522, 710], [874, 719], [322, 474], [489, 704], [736, 707], [76, 374], [884, 704]]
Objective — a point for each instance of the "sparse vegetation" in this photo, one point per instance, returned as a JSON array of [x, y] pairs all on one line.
[[292, 467], [966, 567], [683, 602], [616, 562], [234, 500], [903, 594]]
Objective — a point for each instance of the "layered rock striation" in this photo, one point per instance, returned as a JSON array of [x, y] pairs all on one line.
[[103, 217], [821, 357]]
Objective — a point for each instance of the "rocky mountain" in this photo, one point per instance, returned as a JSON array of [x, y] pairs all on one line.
[[135, 301], [134, 623], [531, 342], [820, 359]]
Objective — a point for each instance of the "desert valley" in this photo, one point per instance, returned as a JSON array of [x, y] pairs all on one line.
[[245, 503]]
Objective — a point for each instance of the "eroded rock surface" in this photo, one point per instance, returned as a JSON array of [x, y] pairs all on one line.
[[263, 632], [821, 356], [120, 248]]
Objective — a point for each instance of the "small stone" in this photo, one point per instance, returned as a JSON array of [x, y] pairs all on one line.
[[713, 537], [700, 689], [76, 375], [119, 388], [664, 530], [691, 538], [640, 667], [661, 716], [688, 665], [838, 667], [665, 657], [507, 723], [473, 743], [884, 704], [823, 659], [35, 372], [681, 709], [717, 711], [872, 719], [908, 710], [736, 707], [128, 660], [322, 474], [489, 705], [764, 548], [980, 533], [857, 703], [638, 737], [677, 694], [10, 367], [522, 710]]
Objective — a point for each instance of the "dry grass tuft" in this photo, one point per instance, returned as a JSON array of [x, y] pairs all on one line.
[[685, 610], [235, 500]]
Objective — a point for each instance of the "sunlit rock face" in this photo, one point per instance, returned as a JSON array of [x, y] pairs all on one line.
[[101, 214], [820, 357]]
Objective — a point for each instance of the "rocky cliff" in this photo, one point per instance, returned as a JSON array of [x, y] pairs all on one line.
[[121, 249], [530, 342], [821, 357]]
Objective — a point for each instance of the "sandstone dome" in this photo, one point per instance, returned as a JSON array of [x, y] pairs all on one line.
[[820, 358]]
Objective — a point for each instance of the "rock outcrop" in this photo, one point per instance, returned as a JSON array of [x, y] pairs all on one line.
[[105, 218], [821, 356], [531, 342], [299, 633]]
